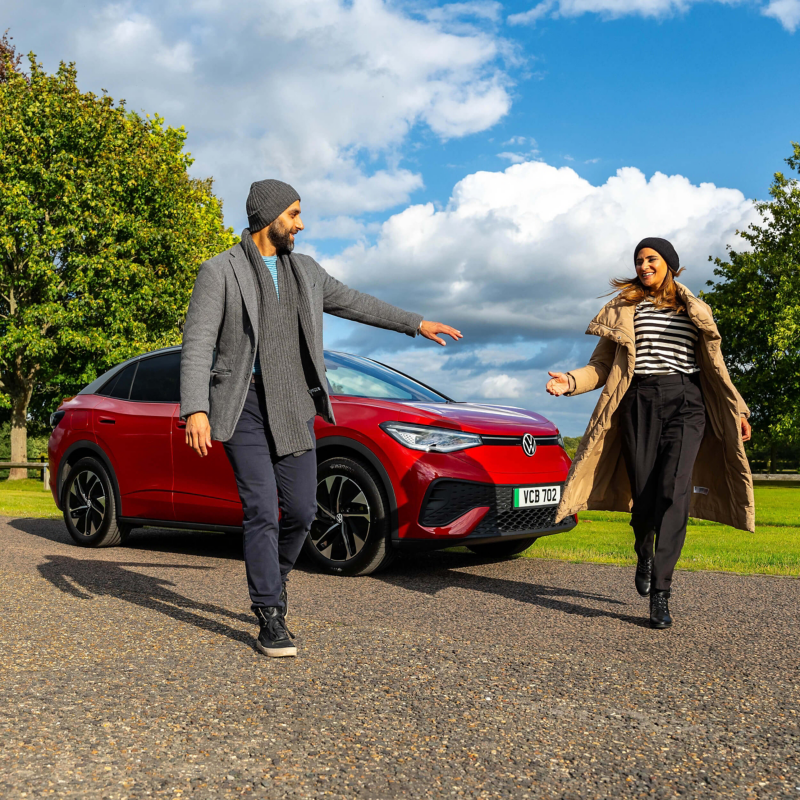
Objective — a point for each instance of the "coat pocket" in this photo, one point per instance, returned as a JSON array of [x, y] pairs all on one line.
[[219, 375]]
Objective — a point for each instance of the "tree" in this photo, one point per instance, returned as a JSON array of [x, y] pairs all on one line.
[[101, 234], [9, 58], [757, 307]]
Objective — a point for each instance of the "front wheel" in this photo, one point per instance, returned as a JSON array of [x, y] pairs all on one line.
[[351, 532], [90, 507], [502, 549]]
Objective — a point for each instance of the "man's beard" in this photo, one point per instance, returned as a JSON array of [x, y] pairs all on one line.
[[280, 237]]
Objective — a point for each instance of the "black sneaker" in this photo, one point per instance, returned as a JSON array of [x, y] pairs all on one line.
[[644, 574], [274, 639], [659, 610]]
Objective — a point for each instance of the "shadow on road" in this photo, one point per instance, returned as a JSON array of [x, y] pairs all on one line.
[[443, 570], [428, 573], [155, 540], [88, 578]]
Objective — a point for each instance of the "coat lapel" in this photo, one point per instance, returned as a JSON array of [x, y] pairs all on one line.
[[247, 286]]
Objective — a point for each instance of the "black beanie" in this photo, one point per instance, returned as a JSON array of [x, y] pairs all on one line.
[[663, 248], [267, 201]]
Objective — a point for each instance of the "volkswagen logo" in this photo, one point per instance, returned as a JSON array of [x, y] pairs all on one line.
[[528, 444]]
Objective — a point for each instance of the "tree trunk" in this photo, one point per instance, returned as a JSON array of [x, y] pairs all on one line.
[[772, 448], [19, 434], [19, 439]]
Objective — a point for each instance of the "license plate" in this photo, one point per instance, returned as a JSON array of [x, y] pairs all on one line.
[[525, 497]]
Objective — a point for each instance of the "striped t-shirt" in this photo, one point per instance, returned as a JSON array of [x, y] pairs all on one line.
[[665, 341]]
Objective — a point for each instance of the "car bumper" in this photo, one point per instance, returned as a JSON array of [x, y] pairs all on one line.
[[454, 511]]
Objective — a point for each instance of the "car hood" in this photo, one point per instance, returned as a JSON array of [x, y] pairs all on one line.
[[472, 417], [479, 418]]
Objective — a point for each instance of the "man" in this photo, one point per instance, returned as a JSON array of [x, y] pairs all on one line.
[[260, 308]]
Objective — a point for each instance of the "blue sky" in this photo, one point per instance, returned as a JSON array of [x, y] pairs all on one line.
[[488, 164]]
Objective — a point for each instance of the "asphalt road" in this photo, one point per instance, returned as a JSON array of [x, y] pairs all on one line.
[[131, 672]]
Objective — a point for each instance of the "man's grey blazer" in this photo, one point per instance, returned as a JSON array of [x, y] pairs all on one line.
[[223, 315]]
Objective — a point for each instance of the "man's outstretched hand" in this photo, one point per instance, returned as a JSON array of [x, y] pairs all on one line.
[[430, 329], [198, 433]]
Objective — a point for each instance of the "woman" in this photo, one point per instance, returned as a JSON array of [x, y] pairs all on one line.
[[666, 437]]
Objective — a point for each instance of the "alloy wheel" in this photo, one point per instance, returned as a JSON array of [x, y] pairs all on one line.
[[343, 519], [86, 503]]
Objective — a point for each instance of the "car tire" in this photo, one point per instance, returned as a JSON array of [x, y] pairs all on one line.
[[502, 549], [90, 506], [351, 534]]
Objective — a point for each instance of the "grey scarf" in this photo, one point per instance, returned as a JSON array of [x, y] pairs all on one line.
[[283, 329]]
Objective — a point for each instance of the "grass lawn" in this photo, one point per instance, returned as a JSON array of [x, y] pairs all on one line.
[[27, 499], [606, 538], [600, 537]]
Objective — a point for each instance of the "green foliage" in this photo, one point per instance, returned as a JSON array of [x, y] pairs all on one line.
[[571, 445], [101, 234], [756, 305]]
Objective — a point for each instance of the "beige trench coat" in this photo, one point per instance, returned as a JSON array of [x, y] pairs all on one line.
[[722, 486]]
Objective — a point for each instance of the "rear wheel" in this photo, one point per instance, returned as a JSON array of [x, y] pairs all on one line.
[[351, 532], [90, 507], [502, 549]]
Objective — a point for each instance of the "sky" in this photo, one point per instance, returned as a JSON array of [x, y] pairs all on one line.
[[489, 165]]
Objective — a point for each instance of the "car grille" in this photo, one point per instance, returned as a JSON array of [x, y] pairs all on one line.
[[447, 500], [516, 441]]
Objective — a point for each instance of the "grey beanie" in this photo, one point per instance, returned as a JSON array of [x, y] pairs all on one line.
[[267, 201]]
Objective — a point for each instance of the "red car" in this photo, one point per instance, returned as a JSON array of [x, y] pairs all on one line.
[[404, 467]]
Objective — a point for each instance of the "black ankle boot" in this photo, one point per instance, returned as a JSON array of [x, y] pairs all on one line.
[[644, 572], [274, 639], [659, 609]]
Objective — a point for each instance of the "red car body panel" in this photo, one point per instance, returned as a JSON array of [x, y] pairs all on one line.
[[161, 479]]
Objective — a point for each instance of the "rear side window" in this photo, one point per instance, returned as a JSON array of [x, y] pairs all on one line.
[[158, 380], [120, 385]]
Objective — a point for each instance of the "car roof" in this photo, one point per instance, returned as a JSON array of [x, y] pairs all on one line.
[[101, 380]]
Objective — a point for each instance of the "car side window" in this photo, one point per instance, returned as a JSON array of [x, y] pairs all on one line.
[[353, 383], [158, 379], [119, 386]]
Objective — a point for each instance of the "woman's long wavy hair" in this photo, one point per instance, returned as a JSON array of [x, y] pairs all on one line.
[[633, 291]]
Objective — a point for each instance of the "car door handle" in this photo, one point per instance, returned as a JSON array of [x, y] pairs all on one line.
[[181, 423], [108, 420]]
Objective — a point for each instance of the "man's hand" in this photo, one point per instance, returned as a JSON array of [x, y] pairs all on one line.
[[430, 329], [747, 431], [558, 383], [198, 433]]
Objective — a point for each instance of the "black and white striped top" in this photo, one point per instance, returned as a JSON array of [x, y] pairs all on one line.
[[665, 341]]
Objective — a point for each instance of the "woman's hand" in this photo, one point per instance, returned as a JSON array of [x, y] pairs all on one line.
[[558, 383], [747, 431]]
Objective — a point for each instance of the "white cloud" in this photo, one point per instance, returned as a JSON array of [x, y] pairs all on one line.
[[532, 16], [787, 12], [519, 261], [514, 158], [501, 386], [324, 95]]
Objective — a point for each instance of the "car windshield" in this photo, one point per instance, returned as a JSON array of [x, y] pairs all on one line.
[[353, 376]]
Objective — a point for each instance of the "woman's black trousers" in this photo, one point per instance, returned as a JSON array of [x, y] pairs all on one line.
[[662, 419]]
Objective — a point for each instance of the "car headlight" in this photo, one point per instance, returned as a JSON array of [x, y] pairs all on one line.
[[431, 440], [561, 441], [56, 417]]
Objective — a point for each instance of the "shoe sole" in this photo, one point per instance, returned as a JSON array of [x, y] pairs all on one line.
[[277, 652], [660, 626]]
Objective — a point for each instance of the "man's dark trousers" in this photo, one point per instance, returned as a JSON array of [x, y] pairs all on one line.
[[662, 419], [268, 484]]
